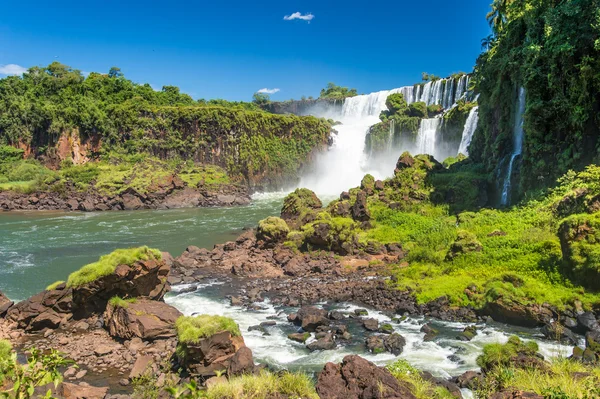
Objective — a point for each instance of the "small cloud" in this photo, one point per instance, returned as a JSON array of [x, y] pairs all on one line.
[[297, 15], [268, 91], [12, 69]]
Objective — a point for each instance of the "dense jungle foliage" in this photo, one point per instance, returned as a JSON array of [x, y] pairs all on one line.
[[551, 48], [111, 114]]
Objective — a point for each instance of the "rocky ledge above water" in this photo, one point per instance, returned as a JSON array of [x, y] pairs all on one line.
[[172, 193]]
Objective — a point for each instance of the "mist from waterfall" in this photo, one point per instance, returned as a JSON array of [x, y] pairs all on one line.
[[346, 162], [518, 134]]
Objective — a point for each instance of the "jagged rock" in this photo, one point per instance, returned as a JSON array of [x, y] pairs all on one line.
[[469, 380], [44, 310], [468, 333], [430, 333], [141, 365], [336, 315], [73, 391], [375, 344], [386, 328], [357, 378], [242, 362], [144, 318], [452, 387], [310, 318], [216, 353], [592, 340], [587, 322], [142, 279], [360, 211], [508, 311], [5, 304]]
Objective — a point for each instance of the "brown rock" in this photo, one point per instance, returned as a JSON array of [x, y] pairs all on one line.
[[357, 378], [142, 363], [145, 319], [72, 391], [241, 363], [5, 304]]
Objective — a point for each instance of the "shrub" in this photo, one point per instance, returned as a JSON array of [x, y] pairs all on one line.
[[503, 354], [191, 329], [82, 175], [298, 201], [108, 263], [10, 154], [118, 302], [272, 229]]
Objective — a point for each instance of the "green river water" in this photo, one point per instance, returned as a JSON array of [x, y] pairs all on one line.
[[38, 248]]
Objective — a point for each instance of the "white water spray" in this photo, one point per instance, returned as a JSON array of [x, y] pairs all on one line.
[[468, 131], [427, 136], [518, 134]]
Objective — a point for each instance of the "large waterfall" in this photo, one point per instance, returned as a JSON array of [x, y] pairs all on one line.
[[518, 133], [346, 162], [468, 131]]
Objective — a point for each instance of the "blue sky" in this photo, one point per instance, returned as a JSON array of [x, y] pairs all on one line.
[[230, 49]]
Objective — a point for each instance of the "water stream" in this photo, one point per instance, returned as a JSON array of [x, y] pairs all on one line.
[[468, 131], [518, 133]]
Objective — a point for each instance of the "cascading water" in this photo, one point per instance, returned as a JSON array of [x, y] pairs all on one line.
[[518, 133], [468, 131], [345, 163], [427, 135]]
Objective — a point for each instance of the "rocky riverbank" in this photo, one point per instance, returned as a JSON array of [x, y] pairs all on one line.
[[172, 193]]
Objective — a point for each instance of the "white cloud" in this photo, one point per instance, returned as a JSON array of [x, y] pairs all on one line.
[[12, 69], [268, 91], [297, 15]]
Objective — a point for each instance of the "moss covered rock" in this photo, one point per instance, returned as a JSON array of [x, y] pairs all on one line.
[[299, 207], [580, 244], [465, 242], [272, 230]]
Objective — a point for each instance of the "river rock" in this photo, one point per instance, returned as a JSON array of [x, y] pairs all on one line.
[[310, 318], [468, 333], [324, 343], [374, 344], [469, 380], [394, 343], [144, 318], [430, 332], [357, 378], [299, 337], [370, 324], [587, 322]]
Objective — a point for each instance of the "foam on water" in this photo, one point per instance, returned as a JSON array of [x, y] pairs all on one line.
[[444, 357]]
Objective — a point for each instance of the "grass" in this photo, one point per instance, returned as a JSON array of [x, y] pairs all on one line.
[[119, 302], [54, 285], [421, 388], [108, 263], [556, 382], [502, 354], [191, 329], [6, 359], [264, 385]]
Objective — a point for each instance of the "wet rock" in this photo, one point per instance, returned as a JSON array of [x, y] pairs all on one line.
[[148, 320], [357, 378], [589, 356], [310, 318], [242, 362], [374, 344], [452, 387], [469, 380], [336, 315], [370, 324], [299, 337], [325, 343], [592, 340], [587, 322], [394, 343], [555, 331], [430, 332], [468, 334], [386, 328], [360, 211]]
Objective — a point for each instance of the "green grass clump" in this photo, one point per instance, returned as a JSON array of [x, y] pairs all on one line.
[[119, 302], [299, 200], [502, 354], [108, 263], [421, 388], [559, 381], [191, 329], [6, 359], [273, 228], [54, 285], [264, 385], [5, 349]]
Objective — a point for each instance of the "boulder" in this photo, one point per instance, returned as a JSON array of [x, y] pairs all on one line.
[[143, 318], [144, 278], [73, 391], [469, 380], [310, 318], [5, 304], [242, 362], [44, 310], [324, 343], [141, 365], [468, 333], [592, 340], [216, 353], [299, 337], [394, 343], [375, 344], [370, 324], [357, 378], [430, 332], [587, 322]]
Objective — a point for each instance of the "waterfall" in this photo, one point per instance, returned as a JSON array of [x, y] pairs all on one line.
[[346, 162], [468, 131], [427, 136], [518, 134]]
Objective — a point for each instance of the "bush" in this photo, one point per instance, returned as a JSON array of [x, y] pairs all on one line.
[[10, 154], [272, 229], [495, 355], [299, 200], [191, 329], [418, 110], [108, 263]]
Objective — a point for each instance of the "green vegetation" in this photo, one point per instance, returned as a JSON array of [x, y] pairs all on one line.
[[118, 302], [421, 388], [334, 92], [108, 263], [557, 379], [263, 386], [54, 110], [191, 329], [54, 285], [544, 47], [272, 229]]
